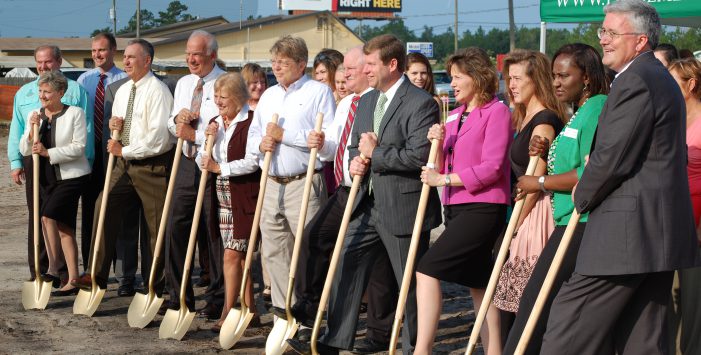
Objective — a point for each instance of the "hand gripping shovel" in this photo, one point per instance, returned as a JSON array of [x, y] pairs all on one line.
[[237, 321], [87, 301], [284, 329], [145, 306], [176, 323], [547, 284], [333, 264], [501, 258], [35, 294], [411, 257]]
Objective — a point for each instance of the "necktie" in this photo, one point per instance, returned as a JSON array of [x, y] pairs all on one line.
[[338, 167], [379, 112], [195, 104], [127, 118], [99, 107]]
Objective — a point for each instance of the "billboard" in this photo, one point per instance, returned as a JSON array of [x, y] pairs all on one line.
[[368, 5], [313, 5], [425, 48]]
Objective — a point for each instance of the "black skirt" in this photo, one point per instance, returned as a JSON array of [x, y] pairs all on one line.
[[463, 253], [60, 200]]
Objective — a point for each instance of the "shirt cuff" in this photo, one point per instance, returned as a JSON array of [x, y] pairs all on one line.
[[225, 170], [16, 164]]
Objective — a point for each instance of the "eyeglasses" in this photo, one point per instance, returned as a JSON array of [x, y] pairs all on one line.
[[602, 32], [285, 63]]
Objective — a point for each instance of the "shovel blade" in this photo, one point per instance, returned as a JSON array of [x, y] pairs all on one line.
[[143, 309], [277, 339], [87, 301], [234, 325], [175, 323], [35, 294]]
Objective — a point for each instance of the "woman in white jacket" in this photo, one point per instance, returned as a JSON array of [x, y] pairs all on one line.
[[63, 170]]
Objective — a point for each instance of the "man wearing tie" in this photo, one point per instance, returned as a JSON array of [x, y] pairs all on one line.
[[143, 155]]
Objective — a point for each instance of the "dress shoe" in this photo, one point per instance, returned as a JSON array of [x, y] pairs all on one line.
[[84, 282], [369, 346], [55, 280], [304, 348], [62, 293], [210, 311], [126, 290], [304, 334], [304, 312], [168, 305]]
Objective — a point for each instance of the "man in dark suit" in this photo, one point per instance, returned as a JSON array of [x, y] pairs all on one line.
[[390, 129], [635, 187]]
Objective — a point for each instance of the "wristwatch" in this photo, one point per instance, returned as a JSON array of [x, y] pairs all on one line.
[[447, 179], [541, 182]]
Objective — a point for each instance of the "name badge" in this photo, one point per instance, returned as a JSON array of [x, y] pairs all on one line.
[[571, 132], [452, 118]]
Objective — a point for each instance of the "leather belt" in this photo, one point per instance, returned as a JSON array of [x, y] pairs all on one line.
[[283, 180]]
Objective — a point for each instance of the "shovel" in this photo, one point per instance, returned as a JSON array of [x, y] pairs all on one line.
[[86, 302], [35, 294], [284, 329], [547, 284], [176, 323], [411, 256], [501, 258], [237, 321], [145, 306]]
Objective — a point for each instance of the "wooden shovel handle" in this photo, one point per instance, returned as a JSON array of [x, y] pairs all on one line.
[[35, 202]]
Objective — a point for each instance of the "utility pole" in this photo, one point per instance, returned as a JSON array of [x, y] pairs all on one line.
[[512, 27], [113, 15], [138, 17], [241, 14], [456, 25]]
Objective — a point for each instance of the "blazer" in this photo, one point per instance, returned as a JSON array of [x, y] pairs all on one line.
[[479, 154], [70, 136], [635, 183], [397, 160]]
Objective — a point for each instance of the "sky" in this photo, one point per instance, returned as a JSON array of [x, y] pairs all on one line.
[[68, 18]]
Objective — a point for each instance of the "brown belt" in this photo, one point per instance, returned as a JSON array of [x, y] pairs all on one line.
[[283, 180]]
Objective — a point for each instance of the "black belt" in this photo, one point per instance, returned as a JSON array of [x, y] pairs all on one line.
[[283, 180]]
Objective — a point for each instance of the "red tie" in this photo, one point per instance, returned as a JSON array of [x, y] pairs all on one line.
[[99, 107], [338, 162]]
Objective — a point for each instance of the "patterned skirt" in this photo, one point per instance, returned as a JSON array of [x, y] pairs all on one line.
[[226, 217]]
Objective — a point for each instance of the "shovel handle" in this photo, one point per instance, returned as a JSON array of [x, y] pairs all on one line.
[[35, 201], [501, 258]]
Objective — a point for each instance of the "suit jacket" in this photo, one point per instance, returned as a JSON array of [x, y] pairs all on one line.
[[110, 92], [635, 183], [397, 160]]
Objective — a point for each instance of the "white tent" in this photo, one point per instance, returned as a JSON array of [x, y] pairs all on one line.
[[20, 73]]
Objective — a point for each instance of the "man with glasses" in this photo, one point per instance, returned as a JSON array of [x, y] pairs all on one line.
[[296, 99], [640, 225]]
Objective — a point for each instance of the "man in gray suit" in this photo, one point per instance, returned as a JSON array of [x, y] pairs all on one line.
[[390, 129], [635, 187]]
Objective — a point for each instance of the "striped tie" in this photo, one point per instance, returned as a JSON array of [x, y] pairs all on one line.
[[338, 162], [127, 119], [195, 105], [99, 107]]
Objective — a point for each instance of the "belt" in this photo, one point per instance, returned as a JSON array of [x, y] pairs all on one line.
[[283, 180]]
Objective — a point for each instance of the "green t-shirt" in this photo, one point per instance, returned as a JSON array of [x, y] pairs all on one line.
[[568, 151]]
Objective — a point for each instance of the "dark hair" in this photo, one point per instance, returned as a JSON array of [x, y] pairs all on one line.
[[588, 60], [475, 63], [686, 53], [669, 51], [390, 47], [109, 37], [414, 57], [331, 59], [145, 45]]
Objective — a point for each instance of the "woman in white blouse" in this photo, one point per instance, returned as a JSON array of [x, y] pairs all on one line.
[[236, 184], [63, 170]]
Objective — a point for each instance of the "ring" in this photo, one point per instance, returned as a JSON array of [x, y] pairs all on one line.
[[431, 165]]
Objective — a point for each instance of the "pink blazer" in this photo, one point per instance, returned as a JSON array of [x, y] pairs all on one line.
[[478, 153]]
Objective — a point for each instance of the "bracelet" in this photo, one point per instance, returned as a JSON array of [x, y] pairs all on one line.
[[447, 179], [541, 182]]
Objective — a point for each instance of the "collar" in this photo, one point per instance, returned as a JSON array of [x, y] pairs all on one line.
[[141, 81], [113, 71], [367, 90], [393, 89], [240, 117], [213, 74], [629, 63], [295, 85]]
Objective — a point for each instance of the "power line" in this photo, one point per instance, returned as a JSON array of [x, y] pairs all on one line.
[[471, 12]]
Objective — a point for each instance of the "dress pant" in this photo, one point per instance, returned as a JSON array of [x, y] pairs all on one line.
[[619, 314], [29, 188], [366, 241], [182, 211], [690, 310], [134, 184], [278, 225], [321, 234], [127, 248]]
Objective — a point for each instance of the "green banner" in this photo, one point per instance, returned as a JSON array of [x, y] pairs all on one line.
[[673, 12]]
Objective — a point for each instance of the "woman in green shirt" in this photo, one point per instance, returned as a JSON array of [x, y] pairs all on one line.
[[579, 82]]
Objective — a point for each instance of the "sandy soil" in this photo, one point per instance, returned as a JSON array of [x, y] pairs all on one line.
[[56, 329]]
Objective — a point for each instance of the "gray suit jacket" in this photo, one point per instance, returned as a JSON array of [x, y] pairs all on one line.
[[110, 91], [635, 183], [397, 160]]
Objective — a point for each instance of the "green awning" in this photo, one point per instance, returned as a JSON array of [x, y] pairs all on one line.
[[685, 13]]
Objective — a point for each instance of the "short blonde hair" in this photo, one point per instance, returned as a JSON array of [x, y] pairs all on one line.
[[294, 48], [253, 71], [233, 83], [55, 79]]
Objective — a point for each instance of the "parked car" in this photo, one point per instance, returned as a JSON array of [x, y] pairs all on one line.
[[442, 81], [73, 73]]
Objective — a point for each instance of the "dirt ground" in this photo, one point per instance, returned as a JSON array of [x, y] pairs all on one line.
[[56, 329]]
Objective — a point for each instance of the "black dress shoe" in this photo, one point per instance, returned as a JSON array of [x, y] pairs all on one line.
[[210, 311], [126, 290], [304, 348], [55, 280], [166, 306], [60, 293], [369, 346], [304, 334], [304, 312]]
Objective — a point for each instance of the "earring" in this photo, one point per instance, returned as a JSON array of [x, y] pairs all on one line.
[[586, 87]]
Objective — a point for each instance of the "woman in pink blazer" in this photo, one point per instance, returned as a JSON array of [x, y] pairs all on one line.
[[474, 174]]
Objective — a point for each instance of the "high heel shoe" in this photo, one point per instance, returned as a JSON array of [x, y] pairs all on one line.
[[55, 280], [61, 293]]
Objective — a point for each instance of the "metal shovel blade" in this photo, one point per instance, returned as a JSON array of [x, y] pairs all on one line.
[[175, 323], [234, 325], [35, 294], [143, 308], [277, 339], [87, 301]]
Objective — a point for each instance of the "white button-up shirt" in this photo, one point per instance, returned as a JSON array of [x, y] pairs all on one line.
[[183, 99], [220, 150], [334, 132], [297, 108], [148, 135]]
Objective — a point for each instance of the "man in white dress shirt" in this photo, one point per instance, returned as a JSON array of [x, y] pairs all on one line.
[[193, 108], [297, 100], [143, 155]]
